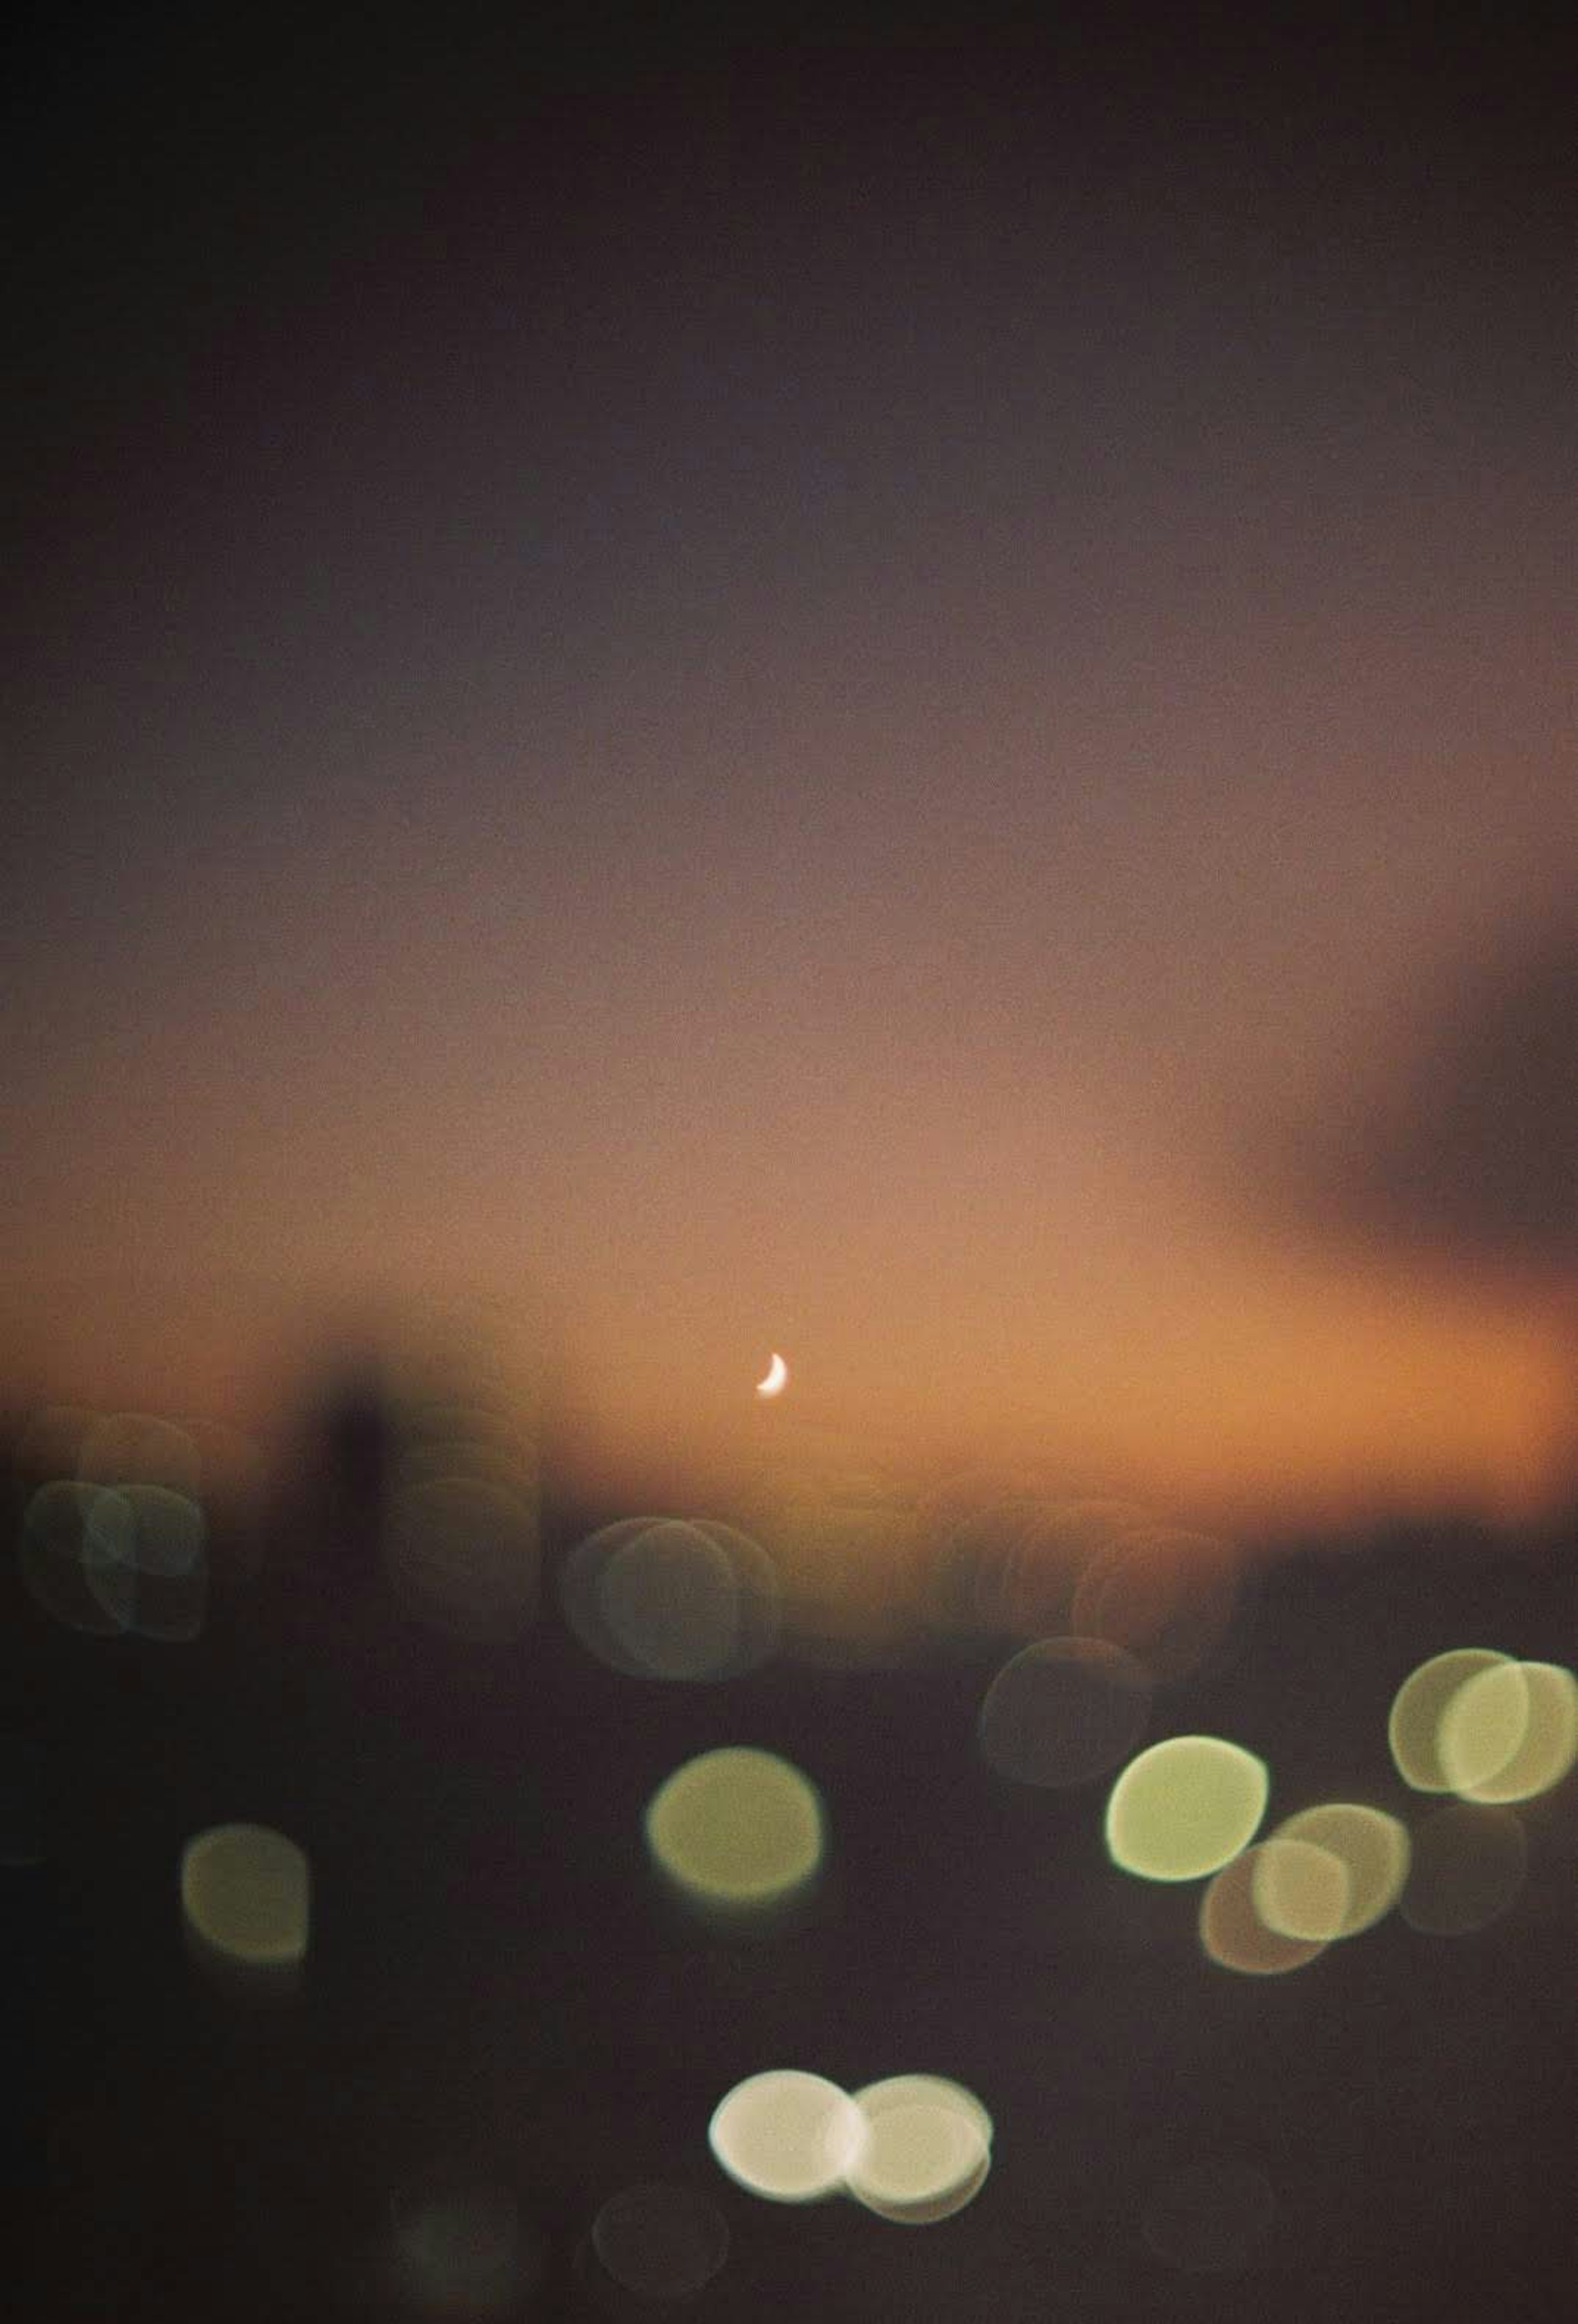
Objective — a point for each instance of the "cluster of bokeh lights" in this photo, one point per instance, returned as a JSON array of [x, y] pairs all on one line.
[[1473, 1722], [1097, 1611]]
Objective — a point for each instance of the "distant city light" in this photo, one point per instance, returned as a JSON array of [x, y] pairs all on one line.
[[788, 2135], [164, 1555], [246, 1894], [1419, 1706], [1235, 1934], [1185, 1808], [673, 1597], [737, 1828], [76, 1555], [1510, 1732], [1372, 1846], [927, 2149], [1300, 1889]]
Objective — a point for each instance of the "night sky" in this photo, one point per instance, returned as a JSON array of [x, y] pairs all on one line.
[[792, 692]]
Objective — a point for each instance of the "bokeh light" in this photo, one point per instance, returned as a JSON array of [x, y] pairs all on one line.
[[1510, 1732], [76, 1556], [1300, 1889], [927, 2150], [788, 2135], [692, 1600], [1468, 1868], [580, 1590], [660, 2241], [672, 1598], [122, 1545], [245, 1894], [1186, 1807], [1062, 1711], [1418, 1707], [149, 1574], [1233, 1933], [737, 1829], [1483, 1725], [1211, 2218], [1372, 1848], [669, 1597]]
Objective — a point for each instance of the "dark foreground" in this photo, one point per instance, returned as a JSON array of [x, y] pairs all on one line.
[[501, 2003]]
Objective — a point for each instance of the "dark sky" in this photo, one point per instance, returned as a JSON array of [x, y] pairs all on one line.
[[747, 683]]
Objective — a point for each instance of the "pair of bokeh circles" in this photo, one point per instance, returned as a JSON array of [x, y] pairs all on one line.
[[1491, 1734], [120, 1545], [1492, 1729], [913, 2148], [1188, 1809]]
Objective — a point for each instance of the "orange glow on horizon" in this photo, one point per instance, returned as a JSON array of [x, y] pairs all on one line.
[[1190, 1377]]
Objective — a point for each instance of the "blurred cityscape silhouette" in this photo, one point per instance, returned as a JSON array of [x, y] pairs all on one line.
[[472, 2070]]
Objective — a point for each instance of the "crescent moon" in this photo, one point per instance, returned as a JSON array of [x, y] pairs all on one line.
[[776, 1380]]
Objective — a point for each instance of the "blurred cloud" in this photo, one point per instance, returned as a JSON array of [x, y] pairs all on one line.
[[1459, 1149]]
